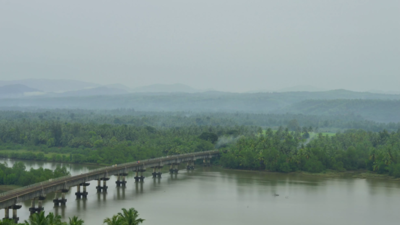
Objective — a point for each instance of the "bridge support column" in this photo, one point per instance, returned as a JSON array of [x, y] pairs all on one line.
[[63, 200], [124, 181], [105, 187], [85, 194], [136, 175], [38, 209], [6, 213], [82, 194], [32, 209], [78, 191], [141, 177], [15, 208], [57, 201], [206, 162], [190, 165], [98, 187], [174, 168], [119, 182], [159, 171], [40, 202], [154, 172]]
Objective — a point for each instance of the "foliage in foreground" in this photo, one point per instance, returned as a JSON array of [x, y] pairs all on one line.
[[127, 217]]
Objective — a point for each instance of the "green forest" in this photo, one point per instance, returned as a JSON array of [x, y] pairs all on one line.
[[18, 175], [270, 142], [285, 151]]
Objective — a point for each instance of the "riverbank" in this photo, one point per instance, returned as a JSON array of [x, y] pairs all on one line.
[[362, 174]]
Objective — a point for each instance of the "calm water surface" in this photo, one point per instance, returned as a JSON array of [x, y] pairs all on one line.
[[218, 196]]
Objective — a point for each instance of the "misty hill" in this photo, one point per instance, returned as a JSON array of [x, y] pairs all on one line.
[[166, 88], [222, 102], [99, 91], [15, 90], [301, 88], [376, 110], [50, 85], [119, 86]]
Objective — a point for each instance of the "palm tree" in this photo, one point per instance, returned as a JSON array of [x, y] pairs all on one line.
[[75, 221], [37, 219], [54, 219], [115, 220], [130, 217]]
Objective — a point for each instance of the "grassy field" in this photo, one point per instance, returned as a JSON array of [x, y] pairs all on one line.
[[48, 155]]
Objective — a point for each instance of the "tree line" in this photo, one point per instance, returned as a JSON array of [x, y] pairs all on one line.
[[326, 122], [286, 151], [18, 175]]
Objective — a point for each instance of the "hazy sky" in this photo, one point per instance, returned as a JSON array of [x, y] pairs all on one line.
[[227, 45]]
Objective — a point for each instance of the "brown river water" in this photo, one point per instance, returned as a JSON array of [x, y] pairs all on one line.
[[219, 196]]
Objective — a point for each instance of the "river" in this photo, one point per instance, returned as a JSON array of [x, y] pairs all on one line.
[[219, 196]]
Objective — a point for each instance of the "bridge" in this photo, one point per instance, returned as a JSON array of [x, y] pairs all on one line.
[[37, 192]]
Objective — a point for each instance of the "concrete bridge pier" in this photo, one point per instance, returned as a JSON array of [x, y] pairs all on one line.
[[173, 168], [190, 165], [206, 162], [82, 194], [57, 201], [104, 187], [62, 201], [120, 182], [6, 213], [159, 171], [78, 191], [15, 208], [139, 175], [38, 209]]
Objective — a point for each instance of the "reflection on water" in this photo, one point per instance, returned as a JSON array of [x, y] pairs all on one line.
[[217, 196]]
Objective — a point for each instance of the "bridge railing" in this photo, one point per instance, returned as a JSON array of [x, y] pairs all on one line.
[[111, 168]]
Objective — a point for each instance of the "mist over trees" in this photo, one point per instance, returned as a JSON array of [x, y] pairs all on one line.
[[370, 106]]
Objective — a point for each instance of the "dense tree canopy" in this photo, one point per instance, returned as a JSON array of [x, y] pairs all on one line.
[[285, 151], [18, 175]]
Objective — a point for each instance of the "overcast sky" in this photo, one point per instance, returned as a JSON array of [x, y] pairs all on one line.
[[227, 45]]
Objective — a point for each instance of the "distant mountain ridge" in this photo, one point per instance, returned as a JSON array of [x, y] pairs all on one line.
[[52, 85], [15, 90], [98, 91], [166, 88]]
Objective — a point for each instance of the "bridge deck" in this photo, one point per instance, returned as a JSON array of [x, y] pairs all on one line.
[[40, 189]]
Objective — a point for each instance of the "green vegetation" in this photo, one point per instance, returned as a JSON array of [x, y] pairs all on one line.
[[127, 217], [18, 175], [283, 151], [114, 137]]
